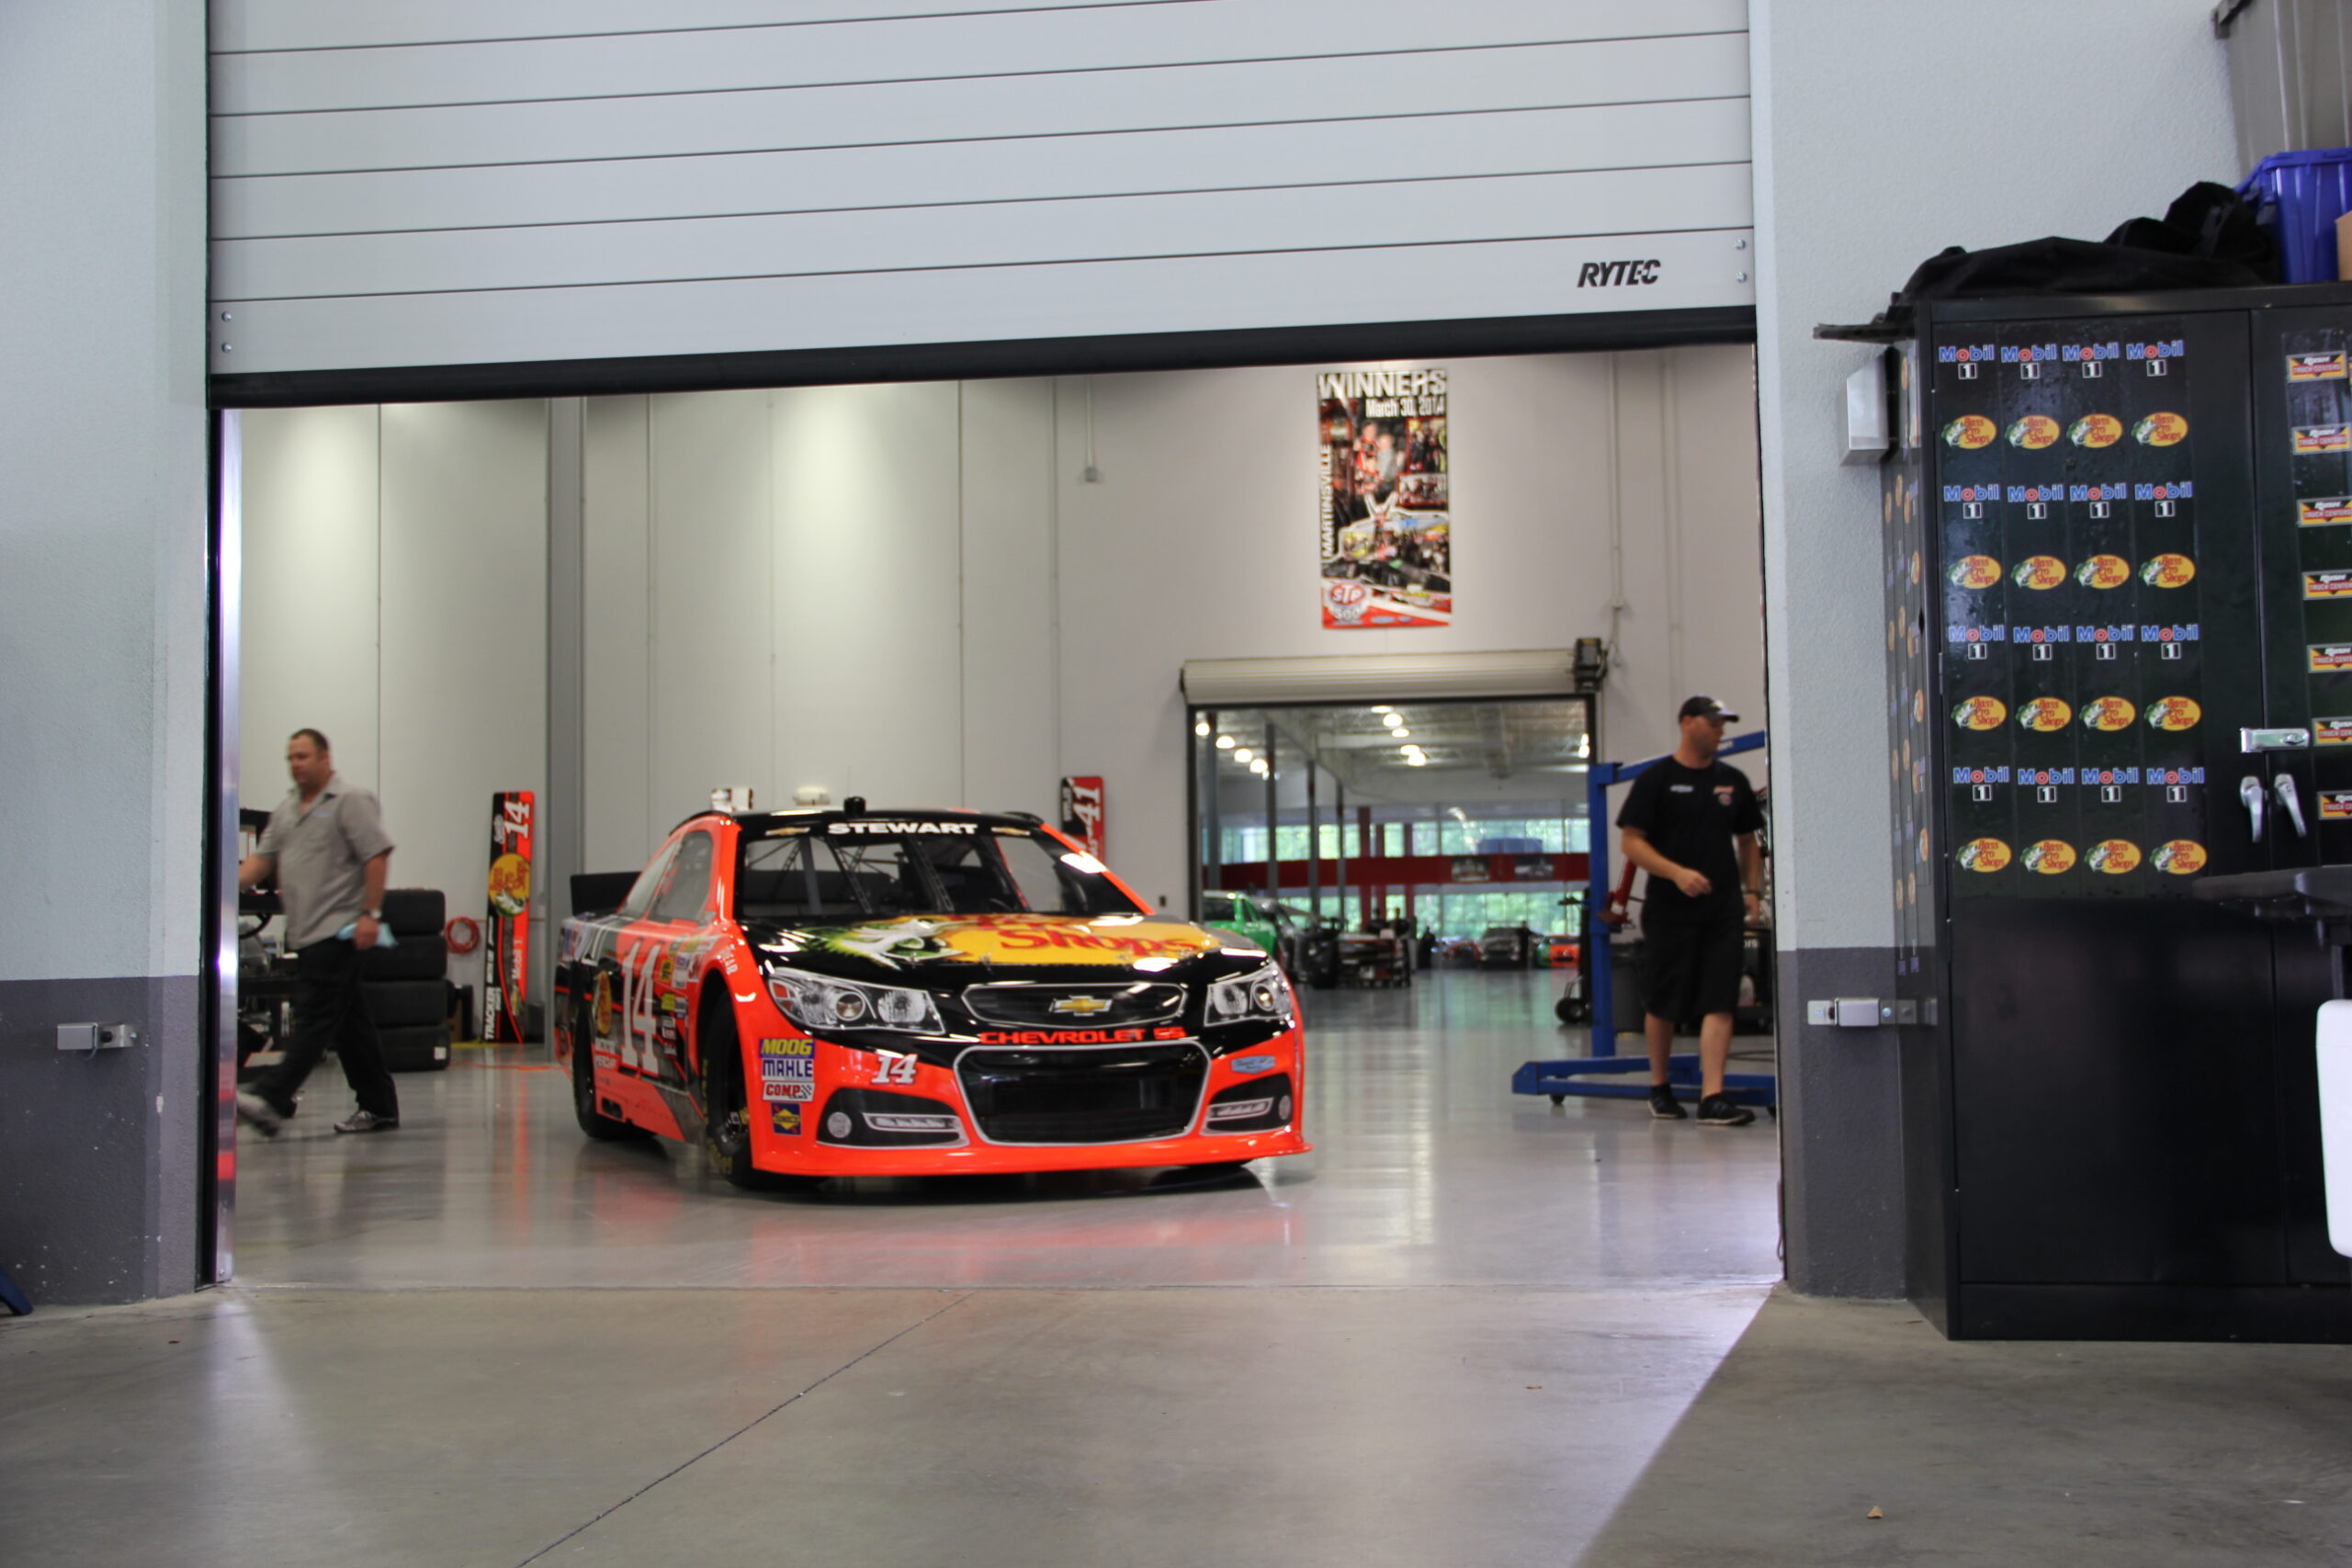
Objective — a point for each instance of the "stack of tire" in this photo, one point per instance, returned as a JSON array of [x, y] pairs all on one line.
[[405, 987]]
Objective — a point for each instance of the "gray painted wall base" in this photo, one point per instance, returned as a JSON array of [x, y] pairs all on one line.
[[98, 1151], [1841, 1130]]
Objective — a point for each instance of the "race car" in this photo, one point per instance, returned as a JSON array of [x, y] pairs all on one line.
[[826, 993]]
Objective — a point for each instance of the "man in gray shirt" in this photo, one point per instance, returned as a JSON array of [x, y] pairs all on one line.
[[325, 843]]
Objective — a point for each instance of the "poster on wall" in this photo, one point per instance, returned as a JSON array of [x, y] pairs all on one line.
[[1382, 493], [506, 956], [1081, 813]]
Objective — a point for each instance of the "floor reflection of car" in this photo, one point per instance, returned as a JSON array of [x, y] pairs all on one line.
[[1506, 947], [845, 993]]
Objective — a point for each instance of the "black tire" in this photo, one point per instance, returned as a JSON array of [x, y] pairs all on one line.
[[397, 1004], [415, 958], [415, 911], [415, 1049], [594, 1123], [726, 1109], [1570, 1010]]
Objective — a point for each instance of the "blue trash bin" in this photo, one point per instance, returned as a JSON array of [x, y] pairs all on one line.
[[2301, 196]]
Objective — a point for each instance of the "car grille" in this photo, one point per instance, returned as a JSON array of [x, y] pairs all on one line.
[[1073, 1006], [1117, 1095]]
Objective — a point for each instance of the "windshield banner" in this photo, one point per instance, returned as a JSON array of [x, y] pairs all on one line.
[[506, 956], [1380, 492]]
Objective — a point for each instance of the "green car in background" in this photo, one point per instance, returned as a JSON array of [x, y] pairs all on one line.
[[1239, 916]]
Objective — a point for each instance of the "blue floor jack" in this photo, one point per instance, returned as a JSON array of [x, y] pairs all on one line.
[[1592, 1075]]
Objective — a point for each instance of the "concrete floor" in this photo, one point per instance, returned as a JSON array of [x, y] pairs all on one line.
[[1467, 1329]]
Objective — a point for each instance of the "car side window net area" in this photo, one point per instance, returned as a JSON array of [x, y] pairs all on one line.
[[802, 876]]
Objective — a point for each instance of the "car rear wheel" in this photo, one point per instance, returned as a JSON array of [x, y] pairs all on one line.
[[591, 1120], [727, 1108]]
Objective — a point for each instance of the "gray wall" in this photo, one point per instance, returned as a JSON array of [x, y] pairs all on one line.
[[423, 184], [1883, 133], [102, 635]]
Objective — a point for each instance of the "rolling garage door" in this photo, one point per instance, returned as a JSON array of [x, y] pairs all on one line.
[[455, 182]]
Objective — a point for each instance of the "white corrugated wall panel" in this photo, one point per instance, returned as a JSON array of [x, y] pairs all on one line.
[[694, 183]]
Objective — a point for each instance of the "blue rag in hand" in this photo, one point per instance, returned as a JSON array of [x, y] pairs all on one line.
[[384, 937]]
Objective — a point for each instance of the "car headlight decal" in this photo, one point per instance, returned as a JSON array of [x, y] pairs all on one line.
[[815, 1001], [1260, 993]]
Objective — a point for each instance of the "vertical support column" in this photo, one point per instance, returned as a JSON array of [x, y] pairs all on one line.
[[1314, 848], [217, 1178], [1273, 861], [1339, 837], [563, 816], [1212, 815]]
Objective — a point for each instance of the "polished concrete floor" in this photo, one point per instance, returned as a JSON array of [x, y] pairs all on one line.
[[1468, 1328]]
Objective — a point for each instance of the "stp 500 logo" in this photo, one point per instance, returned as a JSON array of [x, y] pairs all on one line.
[[1345, 599]]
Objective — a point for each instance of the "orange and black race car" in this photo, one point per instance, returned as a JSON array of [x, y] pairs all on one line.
[[855, 993]]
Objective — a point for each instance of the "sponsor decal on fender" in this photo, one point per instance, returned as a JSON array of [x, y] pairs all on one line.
[[784, 1120], [2316, 366], [1253, 1064]]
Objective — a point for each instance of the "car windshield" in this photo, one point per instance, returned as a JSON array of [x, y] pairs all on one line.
[[852, 871], [1216, 906]]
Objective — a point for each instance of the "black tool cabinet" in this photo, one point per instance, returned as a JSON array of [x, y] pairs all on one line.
[[2118, 552]]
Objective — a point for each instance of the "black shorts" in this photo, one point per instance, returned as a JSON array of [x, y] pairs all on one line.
[[1690, 970]]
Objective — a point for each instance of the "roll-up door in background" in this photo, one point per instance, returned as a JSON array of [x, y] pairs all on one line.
[[438, 182]]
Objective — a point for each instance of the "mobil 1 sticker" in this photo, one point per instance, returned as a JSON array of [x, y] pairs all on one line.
[[787, 1071]]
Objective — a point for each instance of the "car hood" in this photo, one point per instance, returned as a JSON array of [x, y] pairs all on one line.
[[955, 950]]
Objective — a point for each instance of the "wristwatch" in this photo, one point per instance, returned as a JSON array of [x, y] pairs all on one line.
[[375, 915]]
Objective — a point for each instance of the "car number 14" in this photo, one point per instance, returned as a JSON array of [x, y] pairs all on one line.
[[894, 1067]]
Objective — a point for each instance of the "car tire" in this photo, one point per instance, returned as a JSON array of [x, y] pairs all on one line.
[[412, 958], [593, 1122], [726, 1107], [414, 911]]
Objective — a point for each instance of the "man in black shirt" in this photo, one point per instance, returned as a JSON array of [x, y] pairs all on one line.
[[1691, 822]]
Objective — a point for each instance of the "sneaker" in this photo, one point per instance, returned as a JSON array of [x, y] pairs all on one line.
[[1664, 1106], [1717, 1111], [366, 1121], [258, 1113]]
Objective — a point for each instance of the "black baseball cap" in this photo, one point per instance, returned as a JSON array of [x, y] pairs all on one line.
[[1706, 707]]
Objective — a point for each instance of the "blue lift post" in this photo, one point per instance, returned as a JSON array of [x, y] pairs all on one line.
[[1576, 1075]]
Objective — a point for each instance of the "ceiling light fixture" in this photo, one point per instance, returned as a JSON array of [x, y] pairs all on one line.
[[1383, 707], [1200, 727], [1392, 719], [1242, 753], [1400, 732], [1224, 743]]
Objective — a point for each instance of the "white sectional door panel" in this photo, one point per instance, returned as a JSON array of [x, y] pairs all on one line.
[[520, 180]]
